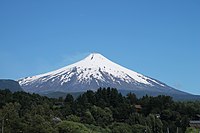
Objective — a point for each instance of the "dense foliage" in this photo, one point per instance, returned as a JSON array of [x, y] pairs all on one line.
[[103, 111]]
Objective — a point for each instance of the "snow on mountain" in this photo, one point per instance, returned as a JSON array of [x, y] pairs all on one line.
[[91, 73]]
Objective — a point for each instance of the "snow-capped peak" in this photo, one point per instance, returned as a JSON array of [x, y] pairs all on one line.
[[93, 71]]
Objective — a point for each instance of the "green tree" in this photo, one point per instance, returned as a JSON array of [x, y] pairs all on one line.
[[88, 118], [73, 118], [192, 130], [102, 117], [154, 123], [91, 97], [132, 99], [120, 128], [37, 124], [5, 97], [69, 99], [136, 118], [10, 115], [71, 127], [137, 128], [97, 129]]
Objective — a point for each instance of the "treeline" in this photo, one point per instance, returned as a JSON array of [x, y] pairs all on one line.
[[103, 111]]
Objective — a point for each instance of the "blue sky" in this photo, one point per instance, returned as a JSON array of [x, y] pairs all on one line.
[[160, 39]]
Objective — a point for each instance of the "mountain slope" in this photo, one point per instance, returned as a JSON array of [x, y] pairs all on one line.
[[12, 85], [91, 73]]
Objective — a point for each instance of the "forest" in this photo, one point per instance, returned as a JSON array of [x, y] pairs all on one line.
[[103, 111]]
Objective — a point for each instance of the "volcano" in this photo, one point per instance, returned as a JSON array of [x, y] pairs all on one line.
[[93, 72]]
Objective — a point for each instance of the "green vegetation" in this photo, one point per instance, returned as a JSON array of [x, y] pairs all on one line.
[[192, 130], [103, 111]]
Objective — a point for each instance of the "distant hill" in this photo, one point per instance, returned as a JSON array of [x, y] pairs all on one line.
[[12, 85]]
